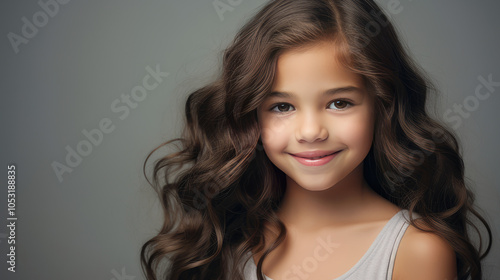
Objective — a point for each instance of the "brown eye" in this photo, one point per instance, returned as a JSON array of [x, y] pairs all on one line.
[[341, 104], [282, 107]]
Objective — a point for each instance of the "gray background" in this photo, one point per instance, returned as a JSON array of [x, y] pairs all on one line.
[[91, 224]]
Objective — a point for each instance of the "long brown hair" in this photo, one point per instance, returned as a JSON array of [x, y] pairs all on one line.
[[215, 207]]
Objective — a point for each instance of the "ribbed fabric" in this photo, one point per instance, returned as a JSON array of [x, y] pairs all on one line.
[[377, 263]]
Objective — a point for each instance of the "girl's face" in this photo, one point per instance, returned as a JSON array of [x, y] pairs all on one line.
[[316, 105]]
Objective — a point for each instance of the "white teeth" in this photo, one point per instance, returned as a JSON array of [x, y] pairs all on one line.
[[319, 157], [313, 158]]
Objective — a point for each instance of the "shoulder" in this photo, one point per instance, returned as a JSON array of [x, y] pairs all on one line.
[[424, 255]]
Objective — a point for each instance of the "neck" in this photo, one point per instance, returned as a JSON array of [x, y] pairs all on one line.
[[338, 205]]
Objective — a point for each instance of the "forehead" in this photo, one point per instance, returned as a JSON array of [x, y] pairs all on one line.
[[313, 66]]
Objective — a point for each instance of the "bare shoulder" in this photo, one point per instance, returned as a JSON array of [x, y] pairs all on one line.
[[424, 255]]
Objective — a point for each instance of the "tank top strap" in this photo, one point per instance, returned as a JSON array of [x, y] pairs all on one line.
[[397, 235], [378, 262], [374, 263]]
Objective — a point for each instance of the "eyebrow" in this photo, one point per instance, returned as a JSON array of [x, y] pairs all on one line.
[[332, 91]]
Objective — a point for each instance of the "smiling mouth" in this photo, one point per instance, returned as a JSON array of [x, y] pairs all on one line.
[[312, 158], [316, 161]]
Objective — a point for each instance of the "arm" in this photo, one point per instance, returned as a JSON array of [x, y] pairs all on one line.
[[424, 255]]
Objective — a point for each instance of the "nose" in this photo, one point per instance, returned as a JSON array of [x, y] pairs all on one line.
[[310, 128]]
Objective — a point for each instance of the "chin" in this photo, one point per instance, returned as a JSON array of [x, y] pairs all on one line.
[[316, 187], [319, 189]]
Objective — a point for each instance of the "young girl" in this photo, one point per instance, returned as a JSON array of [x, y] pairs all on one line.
[[312, 156]]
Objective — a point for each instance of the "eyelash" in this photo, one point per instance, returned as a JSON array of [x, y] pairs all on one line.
[[349, 104]]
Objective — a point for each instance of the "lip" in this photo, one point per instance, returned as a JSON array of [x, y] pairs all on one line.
[[311, 154], [302, 157]]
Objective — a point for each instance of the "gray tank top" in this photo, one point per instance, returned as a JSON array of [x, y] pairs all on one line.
[[377, 263]]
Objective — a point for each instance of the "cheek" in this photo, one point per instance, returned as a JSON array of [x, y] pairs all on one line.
[[359, 132], [274, 134]]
